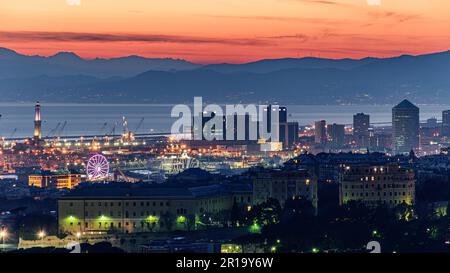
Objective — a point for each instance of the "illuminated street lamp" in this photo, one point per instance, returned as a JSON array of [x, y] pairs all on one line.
[[3, 235], [41, 234]]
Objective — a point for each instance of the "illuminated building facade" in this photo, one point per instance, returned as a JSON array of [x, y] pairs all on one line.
[[377, 184], [128, 209], [54, 180]]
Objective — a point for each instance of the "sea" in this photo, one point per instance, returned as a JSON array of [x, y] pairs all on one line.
[[66, 119]]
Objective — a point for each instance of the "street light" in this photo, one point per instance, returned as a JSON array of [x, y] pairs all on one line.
[[3, 235], [41, 234]]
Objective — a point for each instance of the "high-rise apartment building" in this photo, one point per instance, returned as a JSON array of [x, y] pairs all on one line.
[[320, 132], [405, 127], [361, 124]]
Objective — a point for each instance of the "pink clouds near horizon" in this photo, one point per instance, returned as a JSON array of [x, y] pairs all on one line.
[[214, 31]]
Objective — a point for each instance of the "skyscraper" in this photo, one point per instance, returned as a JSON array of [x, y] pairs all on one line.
[[336, 135], [405, 127], [37, 122], [289, 134], [361, 124], [446, 123], [320, 132]]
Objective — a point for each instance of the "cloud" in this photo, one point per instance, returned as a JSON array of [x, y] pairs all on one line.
[[322, 21], [73, 2], [399, 17], [374, 2], [326, 2], [300, 37], [42, 36]]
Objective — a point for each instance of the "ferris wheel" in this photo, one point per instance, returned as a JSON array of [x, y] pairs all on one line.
[[97, 167]]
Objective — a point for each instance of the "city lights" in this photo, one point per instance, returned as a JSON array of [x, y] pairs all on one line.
[[41, 234]]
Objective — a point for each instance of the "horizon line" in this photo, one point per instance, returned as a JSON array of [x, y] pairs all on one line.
[[217, 63]]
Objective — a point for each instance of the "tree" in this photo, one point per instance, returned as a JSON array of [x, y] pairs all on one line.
[[266, 213], [167, 220], [298, 207]]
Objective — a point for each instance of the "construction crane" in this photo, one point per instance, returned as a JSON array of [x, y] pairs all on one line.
[[13, 132], [61, 130], [124, 177], [112, 132], [103, 127], [52, 131], [139, 125]]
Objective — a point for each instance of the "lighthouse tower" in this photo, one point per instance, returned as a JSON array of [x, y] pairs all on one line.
[[37, 122]]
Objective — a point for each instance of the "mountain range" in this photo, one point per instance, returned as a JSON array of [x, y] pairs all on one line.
[[66, 77]]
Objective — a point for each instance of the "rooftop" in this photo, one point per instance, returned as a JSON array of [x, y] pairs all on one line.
[[153, 191], [406, 104]]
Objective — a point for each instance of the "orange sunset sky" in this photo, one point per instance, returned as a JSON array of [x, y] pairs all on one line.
[[212, 31]]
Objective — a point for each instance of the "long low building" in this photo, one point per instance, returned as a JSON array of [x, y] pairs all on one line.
[[146, 208], [377, 184], [54, 179]]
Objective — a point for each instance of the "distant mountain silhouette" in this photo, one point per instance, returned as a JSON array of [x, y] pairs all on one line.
[[14, 65], [422, 79], [270, 65]]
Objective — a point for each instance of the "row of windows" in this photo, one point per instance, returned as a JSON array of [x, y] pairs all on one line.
[[379, 178], [134, 204], [147, 204], [394, 186], [119, 214], [385, 201], [378, 194], [119, 225]]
